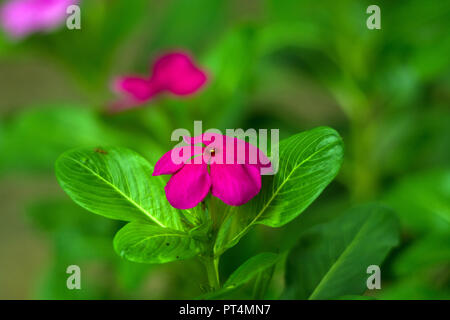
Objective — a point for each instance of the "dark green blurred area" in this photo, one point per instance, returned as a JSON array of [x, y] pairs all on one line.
[[290, 65]]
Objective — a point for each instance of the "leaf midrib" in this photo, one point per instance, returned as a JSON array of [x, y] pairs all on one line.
[[148, 214], [253, 274], [338, 260], [146, 238]]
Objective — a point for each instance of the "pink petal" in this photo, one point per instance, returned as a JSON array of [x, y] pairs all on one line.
[[235, 184], [177, 73], [189, 186], [174, 160], [22, 17], [137, 88], [192, 140], [231, 150], [173, 72], [246, 153]]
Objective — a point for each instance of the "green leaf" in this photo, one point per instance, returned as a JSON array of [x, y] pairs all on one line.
[[250, 269], [254, 267], [423, 255], [262, 283], [57, 215], [90, 57], [131, 276], [308, 162], [51, 285], [416, 287], [355, 297], [198, 20], [34, 139], [331, 260], [146, 243], [422, 200], [116, 183]]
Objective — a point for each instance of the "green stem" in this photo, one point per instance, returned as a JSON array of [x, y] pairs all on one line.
[[210, 260], [212, 269]]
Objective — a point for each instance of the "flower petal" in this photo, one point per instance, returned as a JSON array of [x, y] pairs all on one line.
[[189, 186], [22, 17], [231, 150], [205, 138], [249, 154], [174, 160], [137, 88], [235, 184], [177, 73]]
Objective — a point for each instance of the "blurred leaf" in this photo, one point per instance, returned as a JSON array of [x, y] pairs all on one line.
[[52, 285], [422, 200], [76, 233], [414, 288], [262, 283], [56, 215], [120, 19], [355, 297], [35, 138], [131, 275], [318, 213], [279, 35], [187, 23], [421, 34], [231, 64], [309, 161], [81, 237], [416, 139], [89, 55], [74, 245], [116, 183], [331, 259], [431, 251], [145, 243], [250, 269]]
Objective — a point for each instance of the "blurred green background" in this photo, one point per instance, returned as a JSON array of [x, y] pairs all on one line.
[[286, 64]]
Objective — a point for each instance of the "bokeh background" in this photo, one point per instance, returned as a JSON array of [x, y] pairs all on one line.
[[286, 64]]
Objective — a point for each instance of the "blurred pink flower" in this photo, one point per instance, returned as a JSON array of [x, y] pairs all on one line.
[[231, 168], [174, 72], [22, 17]]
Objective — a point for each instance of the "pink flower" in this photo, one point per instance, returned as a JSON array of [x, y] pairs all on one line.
[[22, 17], [228, 167], [174, 72]]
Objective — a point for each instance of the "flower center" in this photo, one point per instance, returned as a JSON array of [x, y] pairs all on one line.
[[212, 152]]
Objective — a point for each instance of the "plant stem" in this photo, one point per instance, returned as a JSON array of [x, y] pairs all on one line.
[[211, 261], [212, 269]]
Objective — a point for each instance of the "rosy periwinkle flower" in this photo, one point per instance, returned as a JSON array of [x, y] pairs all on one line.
[[22, 17], [228, 167], [173, 72]]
